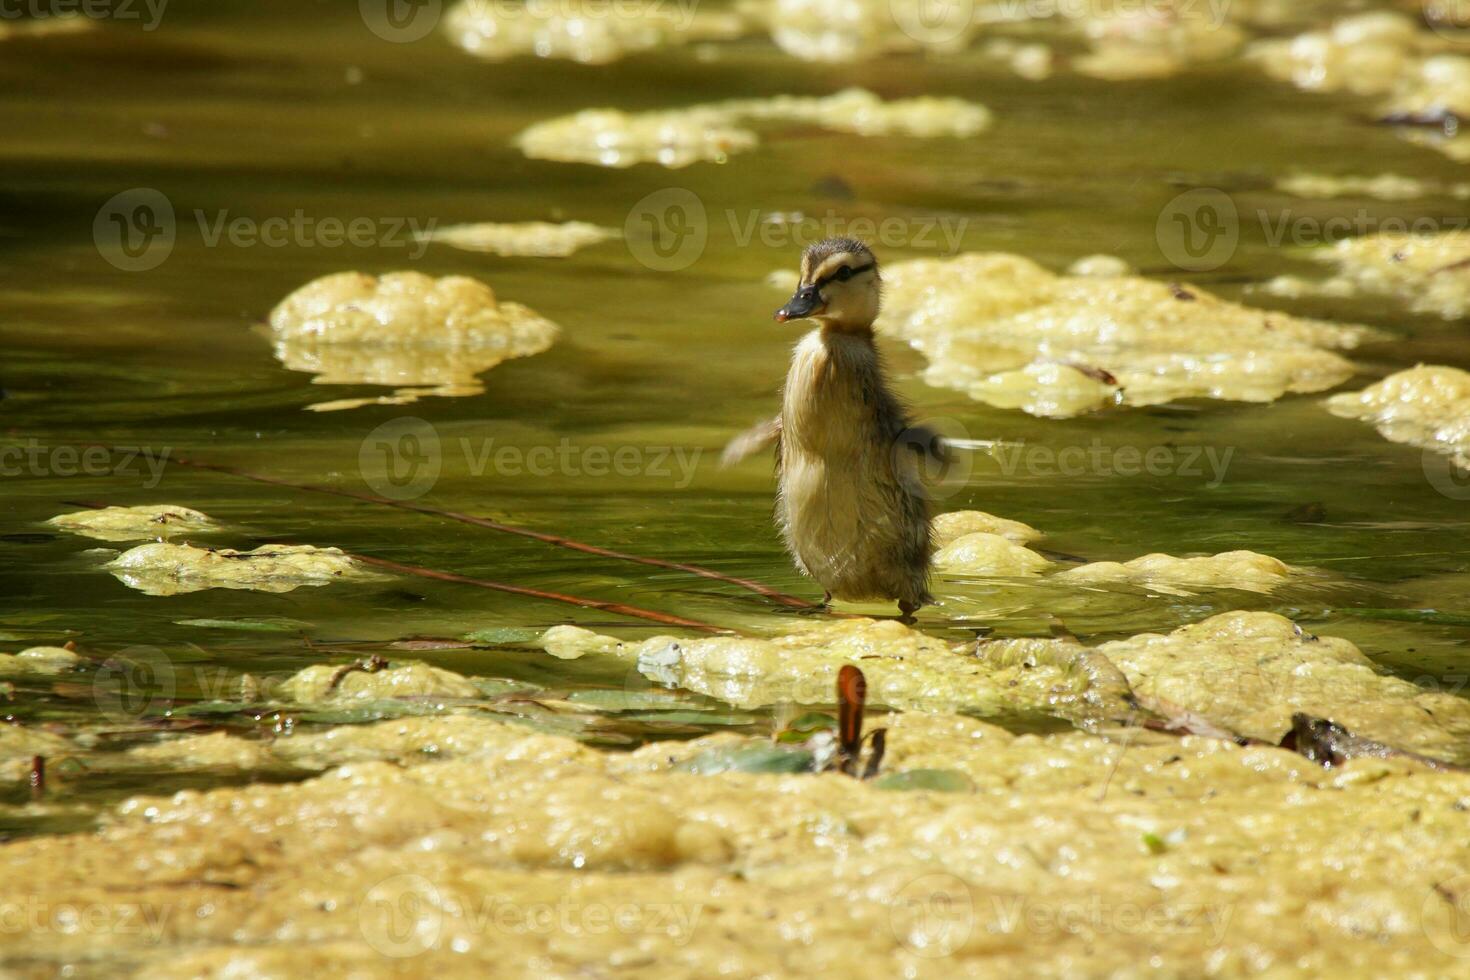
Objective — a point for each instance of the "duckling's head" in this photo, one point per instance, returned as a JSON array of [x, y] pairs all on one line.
[[839, 286]]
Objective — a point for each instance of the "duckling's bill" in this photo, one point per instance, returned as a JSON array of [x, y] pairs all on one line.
[[806, 302]]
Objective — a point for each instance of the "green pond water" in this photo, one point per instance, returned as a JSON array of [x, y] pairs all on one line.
[[259, 109]]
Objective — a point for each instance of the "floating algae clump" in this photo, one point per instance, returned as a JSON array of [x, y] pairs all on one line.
[[589, 31], [1071, 854], [1250, 671], [38, 660], [904, 668], [133, 523], [1244, 570], [1154, 41], [983, 553], [1013, 335], [1386, 55], [954, 525], [1429, 273], [540, 239], [1425, 406], [713, 131], [325, 682], [1384, 187], [422, 335], [175, 569]]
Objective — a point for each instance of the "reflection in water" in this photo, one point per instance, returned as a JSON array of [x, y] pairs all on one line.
[[420, 335]]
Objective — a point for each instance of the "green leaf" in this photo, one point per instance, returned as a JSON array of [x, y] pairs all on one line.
[[363, 713], [613, 700], [496, 687], [30, 636], [496, 635], [691, 717], [1433, 616], [934, 780], [806, 726], [750, 758], [269, 624], [212, 709], [1154, 843]]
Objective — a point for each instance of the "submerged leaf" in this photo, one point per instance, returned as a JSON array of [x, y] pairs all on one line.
[[496, 635], [750, 758], [264, 624], [936, 780]]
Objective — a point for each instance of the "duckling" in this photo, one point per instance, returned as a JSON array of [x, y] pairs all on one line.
[[851, 506]]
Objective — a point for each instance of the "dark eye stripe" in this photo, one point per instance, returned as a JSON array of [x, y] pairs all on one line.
[[855, 270]]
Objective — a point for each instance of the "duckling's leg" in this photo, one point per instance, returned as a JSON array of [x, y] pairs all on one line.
[[907, 609]]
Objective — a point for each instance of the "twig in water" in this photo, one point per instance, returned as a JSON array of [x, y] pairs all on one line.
[[775, 595], [621, 609]]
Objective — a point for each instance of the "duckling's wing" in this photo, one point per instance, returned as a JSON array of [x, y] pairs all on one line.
[[752, 440]]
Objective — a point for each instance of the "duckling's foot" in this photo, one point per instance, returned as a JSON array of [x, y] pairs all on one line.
[[820, 609], [906, 612]]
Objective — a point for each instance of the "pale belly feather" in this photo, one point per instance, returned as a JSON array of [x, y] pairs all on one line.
[[848, 520]]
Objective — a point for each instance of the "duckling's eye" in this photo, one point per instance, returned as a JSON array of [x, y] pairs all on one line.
[[844, 274]]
